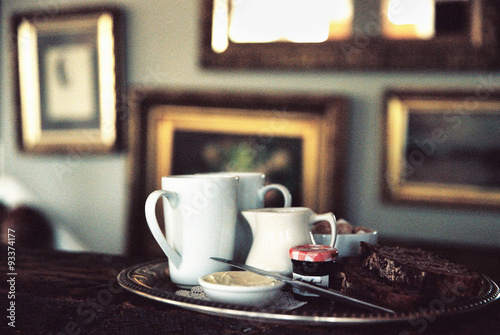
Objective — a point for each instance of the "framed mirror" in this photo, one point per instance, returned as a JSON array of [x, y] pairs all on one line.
[[350, 34]]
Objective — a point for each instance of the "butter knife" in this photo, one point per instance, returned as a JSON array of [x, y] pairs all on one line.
[[324, 292]]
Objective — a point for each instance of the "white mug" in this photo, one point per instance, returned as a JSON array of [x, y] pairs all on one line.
[[200, 222], [276, 230], [251, 193]]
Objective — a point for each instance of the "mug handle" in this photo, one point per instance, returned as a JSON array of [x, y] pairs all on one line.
[[280, 188], [150, 209], [333, 225]]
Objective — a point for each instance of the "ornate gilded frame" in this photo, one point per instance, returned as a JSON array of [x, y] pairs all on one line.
[[442, 148], [319, 122]]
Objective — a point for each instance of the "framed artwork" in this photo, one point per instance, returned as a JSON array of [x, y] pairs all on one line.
[[297, 141], [69, 71], [350, 35], [443, 148]]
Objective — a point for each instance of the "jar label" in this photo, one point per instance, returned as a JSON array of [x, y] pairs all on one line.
[[317, 280]]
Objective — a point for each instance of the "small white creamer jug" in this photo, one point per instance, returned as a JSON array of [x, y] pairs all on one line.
[[276, 230]]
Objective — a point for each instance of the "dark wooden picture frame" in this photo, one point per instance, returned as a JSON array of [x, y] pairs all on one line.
[[475, 48], [442, 148], [70, 80], [263, 122]]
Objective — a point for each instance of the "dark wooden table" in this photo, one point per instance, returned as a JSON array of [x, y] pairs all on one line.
[[77, 293]]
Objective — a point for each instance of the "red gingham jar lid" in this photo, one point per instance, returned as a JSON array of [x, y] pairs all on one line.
[[313, 253]]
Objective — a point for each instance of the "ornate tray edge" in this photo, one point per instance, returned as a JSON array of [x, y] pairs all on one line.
[[261, 315]]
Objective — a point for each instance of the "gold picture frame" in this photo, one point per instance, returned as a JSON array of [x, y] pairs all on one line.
[[69, 73], [173, 132], [442, 148]]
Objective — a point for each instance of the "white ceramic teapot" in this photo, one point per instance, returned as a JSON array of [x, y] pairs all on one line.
[[276, 230]]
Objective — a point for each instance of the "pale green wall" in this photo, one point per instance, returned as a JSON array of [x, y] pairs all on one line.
[[89, 194]]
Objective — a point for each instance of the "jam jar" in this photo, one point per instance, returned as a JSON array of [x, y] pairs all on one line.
[[315, 264]]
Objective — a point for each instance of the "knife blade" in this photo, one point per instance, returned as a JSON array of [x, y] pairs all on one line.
[[322, 291]]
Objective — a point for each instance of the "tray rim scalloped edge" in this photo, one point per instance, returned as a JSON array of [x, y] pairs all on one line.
[[261, 315]]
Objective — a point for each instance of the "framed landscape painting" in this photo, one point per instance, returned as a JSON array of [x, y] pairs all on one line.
[[443, 148]]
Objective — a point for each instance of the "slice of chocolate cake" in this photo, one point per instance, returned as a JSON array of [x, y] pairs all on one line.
[[361, 283], [421, 270]]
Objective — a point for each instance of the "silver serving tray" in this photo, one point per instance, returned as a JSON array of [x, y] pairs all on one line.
[[151, 280]]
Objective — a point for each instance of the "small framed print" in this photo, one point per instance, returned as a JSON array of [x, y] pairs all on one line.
[[69, 80], [443, 148]]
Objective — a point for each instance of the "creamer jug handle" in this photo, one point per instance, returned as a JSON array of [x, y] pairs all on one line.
[[333, 225]]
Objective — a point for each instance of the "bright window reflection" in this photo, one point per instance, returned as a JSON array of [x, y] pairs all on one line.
[[408, 19], [262, 21]]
